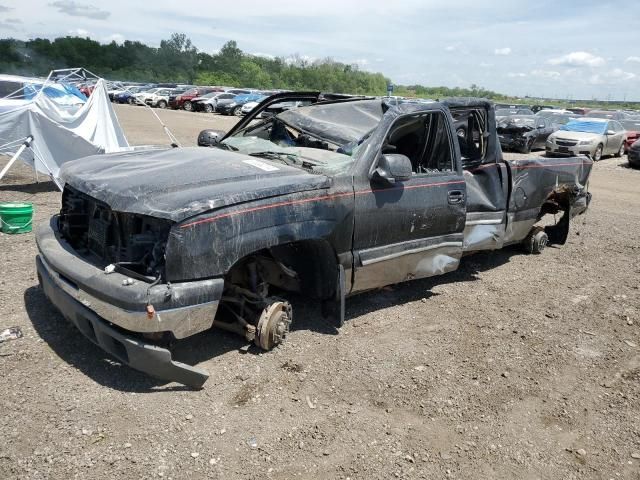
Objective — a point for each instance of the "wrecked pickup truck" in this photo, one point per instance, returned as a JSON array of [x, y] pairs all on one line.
[[326, 200]]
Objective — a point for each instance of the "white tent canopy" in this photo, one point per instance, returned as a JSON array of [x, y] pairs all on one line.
[[59, 132]]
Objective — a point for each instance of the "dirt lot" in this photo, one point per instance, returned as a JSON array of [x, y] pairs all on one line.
[[516, 367]]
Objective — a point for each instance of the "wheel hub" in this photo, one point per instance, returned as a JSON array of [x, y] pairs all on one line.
[[273, 324]]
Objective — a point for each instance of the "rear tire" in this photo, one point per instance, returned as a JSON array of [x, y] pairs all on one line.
[[620, 151], [237, 111], [130, 100], [162, 104], [208, 108], [597, 155], [187, 106]]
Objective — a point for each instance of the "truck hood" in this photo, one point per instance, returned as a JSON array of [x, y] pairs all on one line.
[[178, 183]]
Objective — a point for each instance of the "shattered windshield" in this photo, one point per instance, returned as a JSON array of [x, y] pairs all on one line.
[[272, 140], [322, 138]]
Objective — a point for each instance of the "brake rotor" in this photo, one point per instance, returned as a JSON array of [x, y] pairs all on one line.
[[273, 324]]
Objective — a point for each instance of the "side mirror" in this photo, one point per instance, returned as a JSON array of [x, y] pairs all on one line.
[[210, 138], [610, 132], [393, 167]]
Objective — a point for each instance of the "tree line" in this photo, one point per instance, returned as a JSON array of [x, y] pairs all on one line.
[[178, 60]]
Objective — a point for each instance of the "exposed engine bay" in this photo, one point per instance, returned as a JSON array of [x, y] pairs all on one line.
[[133, 243]]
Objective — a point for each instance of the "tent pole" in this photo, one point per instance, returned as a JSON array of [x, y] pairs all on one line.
[[26, 144]]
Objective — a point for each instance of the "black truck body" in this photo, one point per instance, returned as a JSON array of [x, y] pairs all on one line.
[[327, 200]]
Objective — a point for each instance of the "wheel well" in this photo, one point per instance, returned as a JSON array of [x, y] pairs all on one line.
[[308, 267], [559, 200]]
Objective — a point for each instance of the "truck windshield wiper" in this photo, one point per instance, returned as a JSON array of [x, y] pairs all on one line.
[[285, 157]]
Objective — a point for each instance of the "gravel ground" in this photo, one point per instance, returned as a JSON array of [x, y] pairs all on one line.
[[515, 367]]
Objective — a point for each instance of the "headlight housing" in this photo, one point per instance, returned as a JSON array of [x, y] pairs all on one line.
[[585, 142]]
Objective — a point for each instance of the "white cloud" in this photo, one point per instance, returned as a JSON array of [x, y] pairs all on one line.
[[79, 32], [516, 75], [451, 48], [616, 75], [632, 59], [578, 59], [546, 73], [619, 74], [485, 65], [502, 51], [265, 55]]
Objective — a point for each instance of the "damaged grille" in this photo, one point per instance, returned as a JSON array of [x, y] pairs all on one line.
[[102, 236]]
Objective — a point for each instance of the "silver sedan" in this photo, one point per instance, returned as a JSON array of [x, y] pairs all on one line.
[[594, 137]]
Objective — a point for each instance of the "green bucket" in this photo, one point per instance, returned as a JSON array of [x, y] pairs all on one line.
[[16, 217]]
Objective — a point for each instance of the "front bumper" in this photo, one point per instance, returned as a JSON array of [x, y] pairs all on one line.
[[183, 309], [570, 151], [147, 358], [110, 313], [512, 142], [225, 109]]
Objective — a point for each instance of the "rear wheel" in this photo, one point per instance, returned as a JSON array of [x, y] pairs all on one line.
[[130, 100], [162, 104], [597, 155], [237, 111], [208, 108], [187, 106], [620, 151]]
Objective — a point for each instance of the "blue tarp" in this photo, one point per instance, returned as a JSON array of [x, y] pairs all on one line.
[[56, 90], [586, 126]]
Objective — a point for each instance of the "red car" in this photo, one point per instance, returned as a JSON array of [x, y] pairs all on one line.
[[87, 90], [184, 99], [632, 126]]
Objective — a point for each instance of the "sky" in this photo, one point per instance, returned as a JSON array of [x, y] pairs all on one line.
[[573, 49]]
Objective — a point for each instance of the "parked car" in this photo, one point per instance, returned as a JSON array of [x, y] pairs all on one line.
[[632, 126], [633, 156], [184, 99], [141, 97], [249, 106], [524, 133], [239, 91], [126, 96], [558, 118], [539, 108], [325, 200], [505, 112], [547, 112], [234, 105], [159, 98], [277, 108], [579, 110], [590, 136], [608, 114], [209, 104]]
